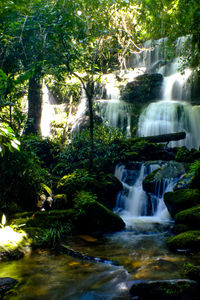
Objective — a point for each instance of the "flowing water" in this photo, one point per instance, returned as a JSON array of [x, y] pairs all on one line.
[[172, 113], [50, 276]]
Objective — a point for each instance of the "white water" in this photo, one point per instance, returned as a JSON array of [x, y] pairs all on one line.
[[51, 111], [173, 113], [138, 209]]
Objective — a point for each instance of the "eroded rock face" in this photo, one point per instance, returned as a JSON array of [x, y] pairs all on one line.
[[143, 89], [181, 289]]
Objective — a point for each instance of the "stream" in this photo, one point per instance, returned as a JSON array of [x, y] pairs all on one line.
[[46, 275]]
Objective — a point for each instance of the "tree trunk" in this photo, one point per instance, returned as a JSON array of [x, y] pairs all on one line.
[[34, 105], [164, 138]]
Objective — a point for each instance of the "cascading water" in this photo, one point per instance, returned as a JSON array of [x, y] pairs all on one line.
[[133, 204], [172, 113], [50, 111]]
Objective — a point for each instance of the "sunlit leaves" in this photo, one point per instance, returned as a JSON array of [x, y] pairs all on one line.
[[8, 141]]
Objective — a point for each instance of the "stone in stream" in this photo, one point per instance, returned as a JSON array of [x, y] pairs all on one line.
[[6, 283], [176, 289]]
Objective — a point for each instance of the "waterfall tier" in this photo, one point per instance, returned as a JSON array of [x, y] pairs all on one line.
[[133, 204], [173, 113]]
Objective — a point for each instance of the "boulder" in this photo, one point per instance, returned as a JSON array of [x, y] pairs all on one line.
[[189, 240], [189, 217], [143, 89], [169, 171], [192, 271], [6, 283], [181, 289], [92, 216], [181, 200]]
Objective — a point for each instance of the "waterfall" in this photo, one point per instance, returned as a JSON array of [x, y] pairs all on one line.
[[136, 206], [51, 111], [48, 111], [173, 113]]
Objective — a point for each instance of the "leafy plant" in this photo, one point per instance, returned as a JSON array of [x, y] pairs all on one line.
[[8, 141]]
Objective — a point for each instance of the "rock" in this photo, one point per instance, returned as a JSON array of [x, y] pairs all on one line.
[[189, 217], [6, 283], [181, 289], [185, 155], [171, 170], [143, 89], [189, 240], [86, 216], [181, 200], [94, 217], [192, 271]]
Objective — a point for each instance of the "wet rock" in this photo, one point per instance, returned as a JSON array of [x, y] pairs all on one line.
[[181, 289], [189, 240], [171, 170], [189, 217], [181, 200], [6, 283], [143, 89]]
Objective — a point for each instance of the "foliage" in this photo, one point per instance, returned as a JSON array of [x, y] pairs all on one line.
[[63, 89], [8, 141], [72, 183], [21, 180], [43, 148], [52, 236], [108, 147]]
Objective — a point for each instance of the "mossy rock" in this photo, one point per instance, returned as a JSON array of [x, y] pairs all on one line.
[[185, 155], [86, 216], [170, 170], [192, 271], [189, 217], [189, 240], [47, 219], [143, 89], [181, 200], [94, 217], [181, 289]]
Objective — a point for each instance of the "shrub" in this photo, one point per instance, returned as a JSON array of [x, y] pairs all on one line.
[[20, 180]]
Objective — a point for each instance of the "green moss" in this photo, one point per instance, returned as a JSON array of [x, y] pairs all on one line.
[[191, 271], [185, 155], [93, 216], [189, 240], [189, 217], [181, 200]]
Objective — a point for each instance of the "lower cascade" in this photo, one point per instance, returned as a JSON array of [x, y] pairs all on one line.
[[136, 206]]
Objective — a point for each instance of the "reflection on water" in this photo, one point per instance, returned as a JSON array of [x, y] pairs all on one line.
[[50, 276]]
